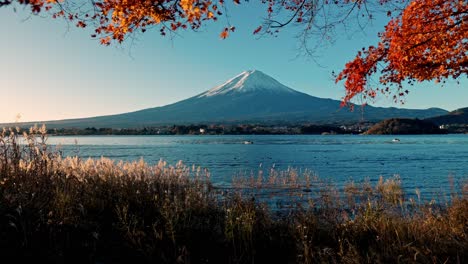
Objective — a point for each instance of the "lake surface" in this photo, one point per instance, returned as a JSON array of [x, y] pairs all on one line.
[[423, 162]]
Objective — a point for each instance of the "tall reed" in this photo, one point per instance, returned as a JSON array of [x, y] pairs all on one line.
[[59, 209]]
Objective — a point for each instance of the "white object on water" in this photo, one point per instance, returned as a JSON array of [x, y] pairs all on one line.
[[247, 142], [395, 140]]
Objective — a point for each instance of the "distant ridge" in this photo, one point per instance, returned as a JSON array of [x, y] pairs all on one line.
[[459, 116], [404, 126], [251, 96]]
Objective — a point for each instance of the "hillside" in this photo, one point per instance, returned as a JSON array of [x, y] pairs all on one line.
[[459, 116], [404, 126]]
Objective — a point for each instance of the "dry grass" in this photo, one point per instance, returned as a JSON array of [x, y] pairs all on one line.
[[68, 210]]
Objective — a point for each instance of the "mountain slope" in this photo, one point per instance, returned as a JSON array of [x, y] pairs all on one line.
[[459, 116], [251, 96], [247, 82], [404, 126]]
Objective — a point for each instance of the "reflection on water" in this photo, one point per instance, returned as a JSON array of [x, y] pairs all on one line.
[[423, 162]]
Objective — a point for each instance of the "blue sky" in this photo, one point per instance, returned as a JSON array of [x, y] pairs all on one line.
[[52, 71]]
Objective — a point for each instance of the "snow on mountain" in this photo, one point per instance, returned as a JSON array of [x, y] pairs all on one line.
[[248, 81]]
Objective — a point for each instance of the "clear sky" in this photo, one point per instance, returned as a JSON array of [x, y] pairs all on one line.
[[52, 71]]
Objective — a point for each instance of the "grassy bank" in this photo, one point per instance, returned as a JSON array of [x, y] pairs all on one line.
[[68, 210]]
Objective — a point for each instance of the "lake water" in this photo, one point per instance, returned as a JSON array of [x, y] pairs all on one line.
[[423, 162]]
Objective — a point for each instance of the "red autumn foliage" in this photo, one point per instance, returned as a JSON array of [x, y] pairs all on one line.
[[427, 41], [424, 40]]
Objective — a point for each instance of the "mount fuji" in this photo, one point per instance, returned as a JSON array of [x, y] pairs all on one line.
[[251, 96]]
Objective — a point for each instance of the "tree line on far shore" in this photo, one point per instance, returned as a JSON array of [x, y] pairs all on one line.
[[397, 126]]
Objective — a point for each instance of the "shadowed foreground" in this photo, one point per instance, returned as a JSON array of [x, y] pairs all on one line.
[[69, 210]]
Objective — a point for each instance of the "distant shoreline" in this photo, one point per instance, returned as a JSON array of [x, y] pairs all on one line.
[[261, 129], [210, 135]]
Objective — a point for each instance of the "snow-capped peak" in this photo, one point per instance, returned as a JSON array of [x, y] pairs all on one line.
[[248, 81]]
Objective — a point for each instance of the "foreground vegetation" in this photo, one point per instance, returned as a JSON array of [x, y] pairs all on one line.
[[68, 210]]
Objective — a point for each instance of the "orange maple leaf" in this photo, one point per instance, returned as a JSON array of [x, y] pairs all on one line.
[[224, 34]]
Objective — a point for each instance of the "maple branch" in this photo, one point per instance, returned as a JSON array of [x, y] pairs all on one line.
[[279, 24], [434, 31], [5, 3], [447, 16], [349, 12]]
